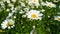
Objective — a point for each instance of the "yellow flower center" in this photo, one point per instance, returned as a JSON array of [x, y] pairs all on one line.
[[8, 24], [58, 18], [34, 0], [34, 16], [49, 5]]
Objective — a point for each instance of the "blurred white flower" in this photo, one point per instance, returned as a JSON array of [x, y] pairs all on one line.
[[8, 1], [2, 4], [56, 1], [14, 17], [8, 23], [14, 11], [10, 5], [50, 4], [33, 27], [9, 15], [48, 16], [23, 15], [34, 14], [13, 0], [21, 12], [43, 3], [26, 9], [42, 10], [8, 10], [32, 32], [22, 4], [34, 2], [57, 18]]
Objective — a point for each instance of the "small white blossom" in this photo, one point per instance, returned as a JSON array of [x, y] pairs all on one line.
[[13, 0], [32, 32], [34, 14], [33, 27], [50, 4], [21, 12], [43, 3], [48, 16], [26, 9], [23, 15], [10, 5], [42, 10], [8, 10], [22, 4], [56, 1], [57, 18], [8, 1], [34, 2], [14, 17], [7, 24], [9, 15]]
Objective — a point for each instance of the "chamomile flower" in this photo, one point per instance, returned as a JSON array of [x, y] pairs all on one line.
[[9, 23], [34, 2], [50, 4], [57, 18], [34, 14]]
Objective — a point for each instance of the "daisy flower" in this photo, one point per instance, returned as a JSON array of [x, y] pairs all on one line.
[[34, 2], [57, 18], [9, 23], [34, 14], [50, 4]]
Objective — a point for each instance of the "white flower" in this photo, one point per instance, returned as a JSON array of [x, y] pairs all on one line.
[[56, 1], [9, 23], [50, 4], [26, 9], [34, 2], [22, 4], [14, 17], [23, 15], [43, 3], [21, 12], [34, 27], [33, 32], [34, 14], [13, 0], [8, 10], [42, 10], [10, 5], [57, 18], [9, 15], [8, 1]]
